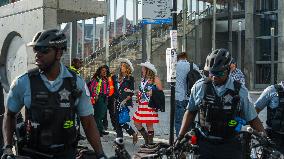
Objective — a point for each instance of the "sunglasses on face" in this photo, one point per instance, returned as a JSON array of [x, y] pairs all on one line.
[[41, 49], [217, 73]]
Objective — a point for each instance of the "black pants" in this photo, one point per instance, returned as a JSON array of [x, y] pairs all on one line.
[[215, 150], [111, 110], [119, 127]]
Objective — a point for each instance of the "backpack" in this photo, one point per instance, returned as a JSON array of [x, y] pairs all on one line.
[[191, 77]]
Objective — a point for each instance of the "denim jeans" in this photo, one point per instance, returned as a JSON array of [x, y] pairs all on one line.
[[180, 110]]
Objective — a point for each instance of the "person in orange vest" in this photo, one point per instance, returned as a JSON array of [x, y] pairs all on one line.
[[99, 90], [110, 106]]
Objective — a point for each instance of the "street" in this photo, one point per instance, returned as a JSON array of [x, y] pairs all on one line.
[[162, 130]]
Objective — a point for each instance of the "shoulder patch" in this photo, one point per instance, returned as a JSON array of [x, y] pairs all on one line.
[[87, 90]]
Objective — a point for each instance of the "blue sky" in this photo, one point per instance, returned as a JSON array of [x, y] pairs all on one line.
[[129, 11]]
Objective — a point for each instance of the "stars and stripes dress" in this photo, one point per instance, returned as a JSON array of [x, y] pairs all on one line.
[[145, 114]]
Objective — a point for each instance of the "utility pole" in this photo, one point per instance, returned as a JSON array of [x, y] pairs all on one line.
[[240, 45], [134, 12], [214, 26], [272, 56], [144, 48], [190, 9], [149, 41], [124, 18], [83, 47], [172, 113], [83, 40], [107, 33], [230, 18], [94, 34], [146, 42], [184, 24], [73, 40], [197, 43], [114, 19]]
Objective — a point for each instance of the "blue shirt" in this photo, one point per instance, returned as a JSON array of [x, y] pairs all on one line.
[[248, 111], [182, 69], [20, 93], [269, 97]]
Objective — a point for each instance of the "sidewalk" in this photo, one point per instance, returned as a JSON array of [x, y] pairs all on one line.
[[162, 129]]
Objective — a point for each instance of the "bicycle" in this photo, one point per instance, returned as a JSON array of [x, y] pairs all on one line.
[[186, 147], [260, 146], [120, 151], [83, 152]]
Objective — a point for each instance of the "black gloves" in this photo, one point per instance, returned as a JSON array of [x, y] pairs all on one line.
[[177, 141]]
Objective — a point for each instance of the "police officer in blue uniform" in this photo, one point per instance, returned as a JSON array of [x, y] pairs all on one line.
[[52, 95], [273, 98], [221, 103]]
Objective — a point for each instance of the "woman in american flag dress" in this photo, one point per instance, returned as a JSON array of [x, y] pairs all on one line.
[[144, 114]]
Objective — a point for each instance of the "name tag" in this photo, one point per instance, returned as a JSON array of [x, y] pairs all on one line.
[[64, 105]]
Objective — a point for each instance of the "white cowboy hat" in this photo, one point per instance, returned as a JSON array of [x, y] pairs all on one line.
[[124, 60], [149, 66]]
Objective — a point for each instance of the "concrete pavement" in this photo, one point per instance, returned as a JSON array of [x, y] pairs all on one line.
[[162, 129]]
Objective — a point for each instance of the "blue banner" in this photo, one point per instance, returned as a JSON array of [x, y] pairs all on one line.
[[157, 21]]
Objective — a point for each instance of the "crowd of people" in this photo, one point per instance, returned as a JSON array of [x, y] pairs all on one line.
[[57, 101], [114, 92]]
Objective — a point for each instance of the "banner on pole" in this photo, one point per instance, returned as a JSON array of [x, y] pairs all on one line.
[[171, 60], [174, 40]]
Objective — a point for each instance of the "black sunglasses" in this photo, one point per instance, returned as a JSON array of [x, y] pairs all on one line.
[[41, 49], [217, 73]]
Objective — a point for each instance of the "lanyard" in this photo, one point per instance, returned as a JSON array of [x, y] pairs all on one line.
[[120, 83], [143, 84]]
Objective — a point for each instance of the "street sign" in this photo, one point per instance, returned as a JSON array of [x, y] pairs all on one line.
[[171, 60], [156, 11], [173, 35]]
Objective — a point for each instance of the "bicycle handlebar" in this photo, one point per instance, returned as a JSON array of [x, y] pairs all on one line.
[[266, 143]]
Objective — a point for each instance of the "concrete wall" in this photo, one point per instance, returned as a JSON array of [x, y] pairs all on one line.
[[280, 73], [24, 26], [249, 62], [21, 20]]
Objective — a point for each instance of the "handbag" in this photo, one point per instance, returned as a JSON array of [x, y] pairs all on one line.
[[157, 100], [123, 116]]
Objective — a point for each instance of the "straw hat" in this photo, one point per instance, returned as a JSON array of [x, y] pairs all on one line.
[[124, 60], [150, 66]]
